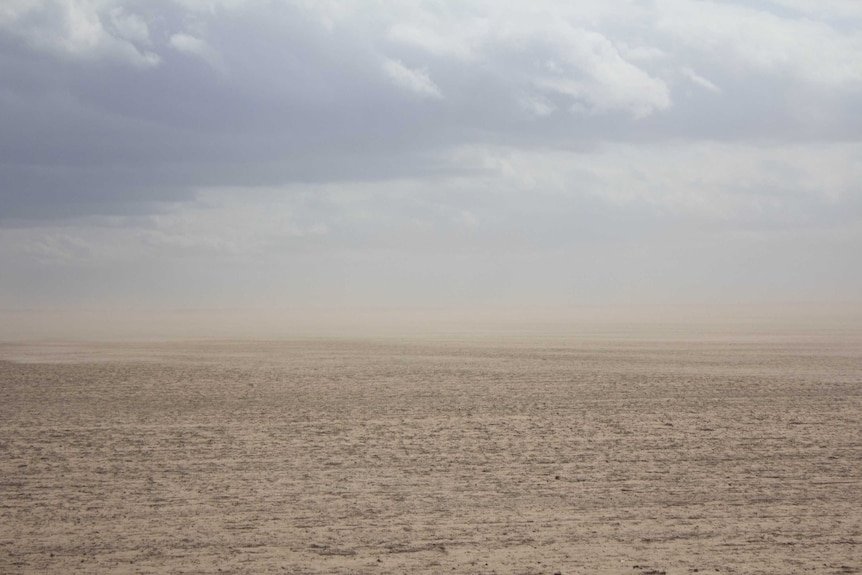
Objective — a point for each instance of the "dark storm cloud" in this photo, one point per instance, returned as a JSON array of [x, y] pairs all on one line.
[[144, 103], [279, 103]]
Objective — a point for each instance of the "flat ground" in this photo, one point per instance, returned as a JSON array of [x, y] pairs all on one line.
[[590, 455]]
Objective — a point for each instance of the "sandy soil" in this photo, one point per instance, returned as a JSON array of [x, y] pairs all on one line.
[[473, 456]]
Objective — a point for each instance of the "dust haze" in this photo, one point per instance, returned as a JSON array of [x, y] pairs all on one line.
[[657, 321]]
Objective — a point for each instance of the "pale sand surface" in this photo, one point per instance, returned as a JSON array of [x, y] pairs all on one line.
[[478, 455]]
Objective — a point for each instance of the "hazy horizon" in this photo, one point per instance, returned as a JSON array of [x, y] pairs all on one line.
[[829, 321]]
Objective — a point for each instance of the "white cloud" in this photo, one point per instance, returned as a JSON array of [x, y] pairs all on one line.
[[823, 8], [438, 38], [74, 29], [13, 10], [195, 46], [734, 184], [189, 44], [539, 106], [735, 35], [599, 79], [417, 81], [130, 27], [578, 60], [700, 80], [640, 53]]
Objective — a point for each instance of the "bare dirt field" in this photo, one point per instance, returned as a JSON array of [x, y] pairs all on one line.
[[591, 455]]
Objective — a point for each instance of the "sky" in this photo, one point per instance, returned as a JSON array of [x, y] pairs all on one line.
[[299, 156]]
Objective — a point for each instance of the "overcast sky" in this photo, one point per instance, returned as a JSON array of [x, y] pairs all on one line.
[[289, 154]]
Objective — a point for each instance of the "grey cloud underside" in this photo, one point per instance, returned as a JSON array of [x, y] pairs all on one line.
[[282, 98]]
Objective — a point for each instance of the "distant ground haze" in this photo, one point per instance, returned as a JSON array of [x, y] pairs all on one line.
[[637, 320]]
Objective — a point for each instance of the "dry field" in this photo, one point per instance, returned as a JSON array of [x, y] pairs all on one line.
[[619, 456]]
